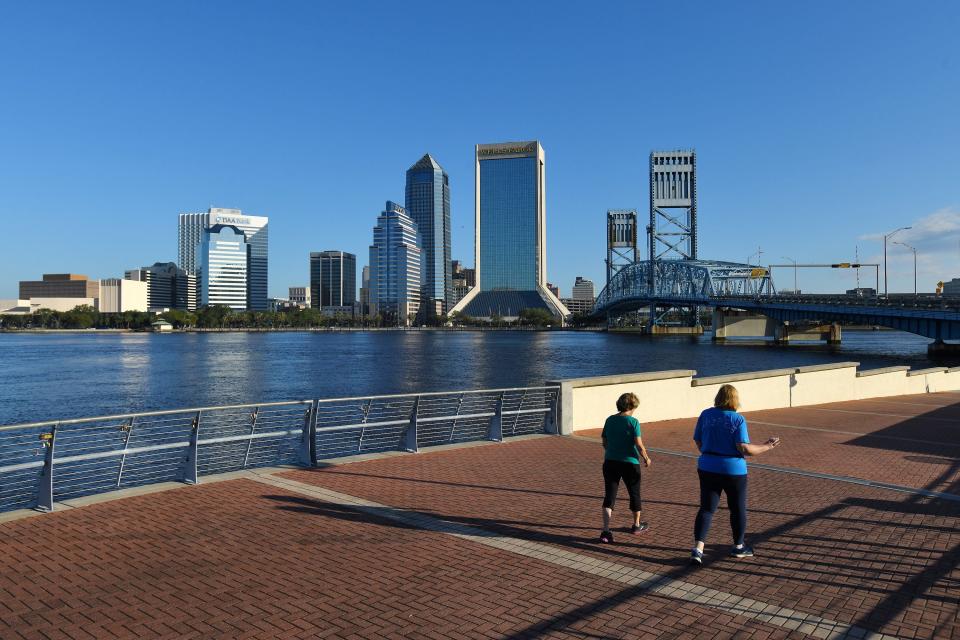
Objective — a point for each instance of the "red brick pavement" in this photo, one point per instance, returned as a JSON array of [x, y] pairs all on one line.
[[882, 560], [240, 559]]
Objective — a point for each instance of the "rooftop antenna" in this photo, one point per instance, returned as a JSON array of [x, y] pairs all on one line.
[[856, 256]]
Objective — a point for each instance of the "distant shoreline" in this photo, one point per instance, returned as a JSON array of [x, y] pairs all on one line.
[[350, 330]]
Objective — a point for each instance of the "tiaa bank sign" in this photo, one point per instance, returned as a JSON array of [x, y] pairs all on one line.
[[231, 220]]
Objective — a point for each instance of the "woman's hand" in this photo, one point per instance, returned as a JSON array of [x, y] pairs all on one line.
[[647, 461], [772, 442]]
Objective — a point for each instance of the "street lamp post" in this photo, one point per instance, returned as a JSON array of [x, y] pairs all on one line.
[[885, 238], [914, 249], [795, 290]]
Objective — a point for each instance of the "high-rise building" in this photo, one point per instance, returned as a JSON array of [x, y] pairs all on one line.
[[60, 285], [255, 230], [578, 305], [395, 267], [428, 204], [365, 291], [510, 254], [168, 286], [583, 289], [117, 296], [222, 261], [333, 279], [554, 289]]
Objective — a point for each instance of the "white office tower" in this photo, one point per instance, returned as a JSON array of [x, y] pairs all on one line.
[[255, 230], [222, 257], [396, 264]]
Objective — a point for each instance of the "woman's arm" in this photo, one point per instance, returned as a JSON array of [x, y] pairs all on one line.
[[748, 449], [643, 451]]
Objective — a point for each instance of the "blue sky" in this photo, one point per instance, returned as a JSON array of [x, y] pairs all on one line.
[[818, 125]]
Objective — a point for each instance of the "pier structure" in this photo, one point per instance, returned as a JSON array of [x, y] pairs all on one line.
[[463, 515]]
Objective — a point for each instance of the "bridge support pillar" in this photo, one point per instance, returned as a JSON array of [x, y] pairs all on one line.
[[787, 333], [941, 348], [734, 323]]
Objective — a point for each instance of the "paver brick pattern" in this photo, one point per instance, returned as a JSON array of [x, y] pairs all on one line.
[[240, 559]]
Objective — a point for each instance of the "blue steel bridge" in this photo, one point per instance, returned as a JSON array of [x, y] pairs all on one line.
[[666, 284]]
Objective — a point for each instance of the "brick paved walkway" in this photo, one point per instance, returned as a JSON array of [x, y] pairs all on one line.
[[497, 542]]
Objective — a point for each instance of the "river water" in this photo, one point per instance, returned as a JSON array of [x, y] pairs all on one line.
[[50, 376]]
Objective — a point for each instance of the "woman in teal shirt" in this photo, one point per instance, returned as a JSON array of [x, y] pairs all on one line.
[[623, 449]]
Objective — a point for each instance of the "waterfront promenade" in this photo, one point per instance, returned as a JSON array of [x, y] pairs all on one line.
[[496, 540]]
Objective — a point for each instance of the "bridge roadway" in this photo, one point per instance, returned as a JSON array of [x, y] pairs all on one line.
[[717, 284]]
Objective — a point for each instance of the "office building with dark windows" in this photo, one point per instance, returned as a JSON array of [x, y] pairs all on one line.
[[428, 204], [168, 286], [222, 260], [333, 279], [60, 285], [255, 229], [395, 267], [510, 253]]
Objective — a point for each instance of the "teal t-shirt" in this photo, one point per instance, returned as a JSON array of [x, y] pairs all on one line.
[[621, 433]]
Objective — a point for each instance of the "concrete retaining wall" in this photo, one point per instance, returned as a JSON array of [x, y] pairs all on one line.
[[664, 395]]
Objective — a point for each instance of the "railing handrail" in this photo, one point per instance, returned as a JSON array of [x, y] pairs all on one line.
[[252, 405], [164, 412], [438, 393]]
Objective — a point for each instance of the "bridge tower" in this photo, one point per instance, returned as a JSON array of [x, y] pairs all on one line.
[[672, 232], [621, 240]]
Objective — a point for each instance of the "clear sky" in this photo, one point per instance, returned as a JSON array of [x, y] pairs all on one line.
[[818, 125]]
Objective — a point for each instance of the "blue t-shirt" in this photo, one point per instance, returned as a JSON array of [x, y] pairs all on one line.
[[718, 432], [621, 433]]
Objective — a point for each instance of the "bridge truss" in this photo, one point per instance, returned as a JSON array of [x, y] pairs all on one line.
[[683, 284]]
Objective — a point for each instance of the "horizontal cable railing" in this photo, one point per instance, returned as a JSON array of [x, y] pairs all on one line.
[[45, 462]]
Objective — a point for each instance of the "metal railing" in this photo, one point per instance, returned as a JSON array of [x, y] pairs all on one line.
[[45, 462]]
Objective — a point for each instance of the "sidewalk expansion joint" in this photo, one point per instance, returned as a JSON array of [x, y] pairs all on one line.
[[645, 581]]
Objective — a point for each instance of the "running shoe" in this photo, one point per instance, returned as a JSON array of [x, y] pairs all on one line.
[[746, 551], [696, 558], [606, 537], [639, 528]]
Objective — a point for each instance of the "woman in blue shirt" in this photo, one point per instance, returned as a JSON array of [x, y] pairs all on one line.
[[721, 436]]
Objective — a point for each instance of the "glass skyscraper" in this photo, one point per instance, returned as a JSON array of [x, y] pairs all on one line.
[[395, 267], [255, 229], [333, 279], [222, 257], [510, 216], [428, 204]]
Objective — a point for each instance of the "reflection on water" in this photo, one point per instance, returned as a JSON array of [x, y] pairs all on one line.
[[69, 375]]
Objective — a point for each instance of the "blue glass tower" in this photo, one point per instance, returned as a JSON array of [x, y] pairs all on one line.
[[428, 204], [510, 217], [395, 267]]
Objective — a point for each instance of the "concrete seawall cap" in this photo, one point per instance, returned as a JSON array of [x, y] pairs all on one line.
[[625, 378], [826, 367], [740, 377], [920, 372], [875, 372]]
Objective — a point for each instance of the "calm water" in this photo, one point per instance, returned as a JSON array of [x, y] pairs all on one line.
[[72, 375]]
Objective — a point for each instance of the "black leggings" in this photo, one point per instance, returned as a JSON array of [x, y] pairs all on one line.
[[711, 485], [613, 472]]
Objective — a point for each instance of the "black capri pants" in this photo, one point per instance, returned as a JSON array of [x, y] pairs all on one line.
[[711, 486], [613, 472]]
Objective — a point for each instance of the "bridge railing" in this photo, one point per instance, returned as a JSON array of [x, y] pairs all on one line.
[[47, 462]]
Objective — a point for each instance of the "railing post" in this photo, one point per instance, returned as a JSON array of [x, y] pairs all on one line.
[[550, 425], [45, 492], [190, 463], [253, 429], [307, 453], [495, 431], [408, 441]]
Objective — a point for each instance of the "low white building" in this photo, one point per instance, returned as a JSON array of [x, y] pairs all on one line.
[[117, 296]]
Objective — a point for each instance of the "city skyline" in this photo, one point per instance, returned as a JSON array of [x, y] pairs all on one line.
[[829, 138]]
